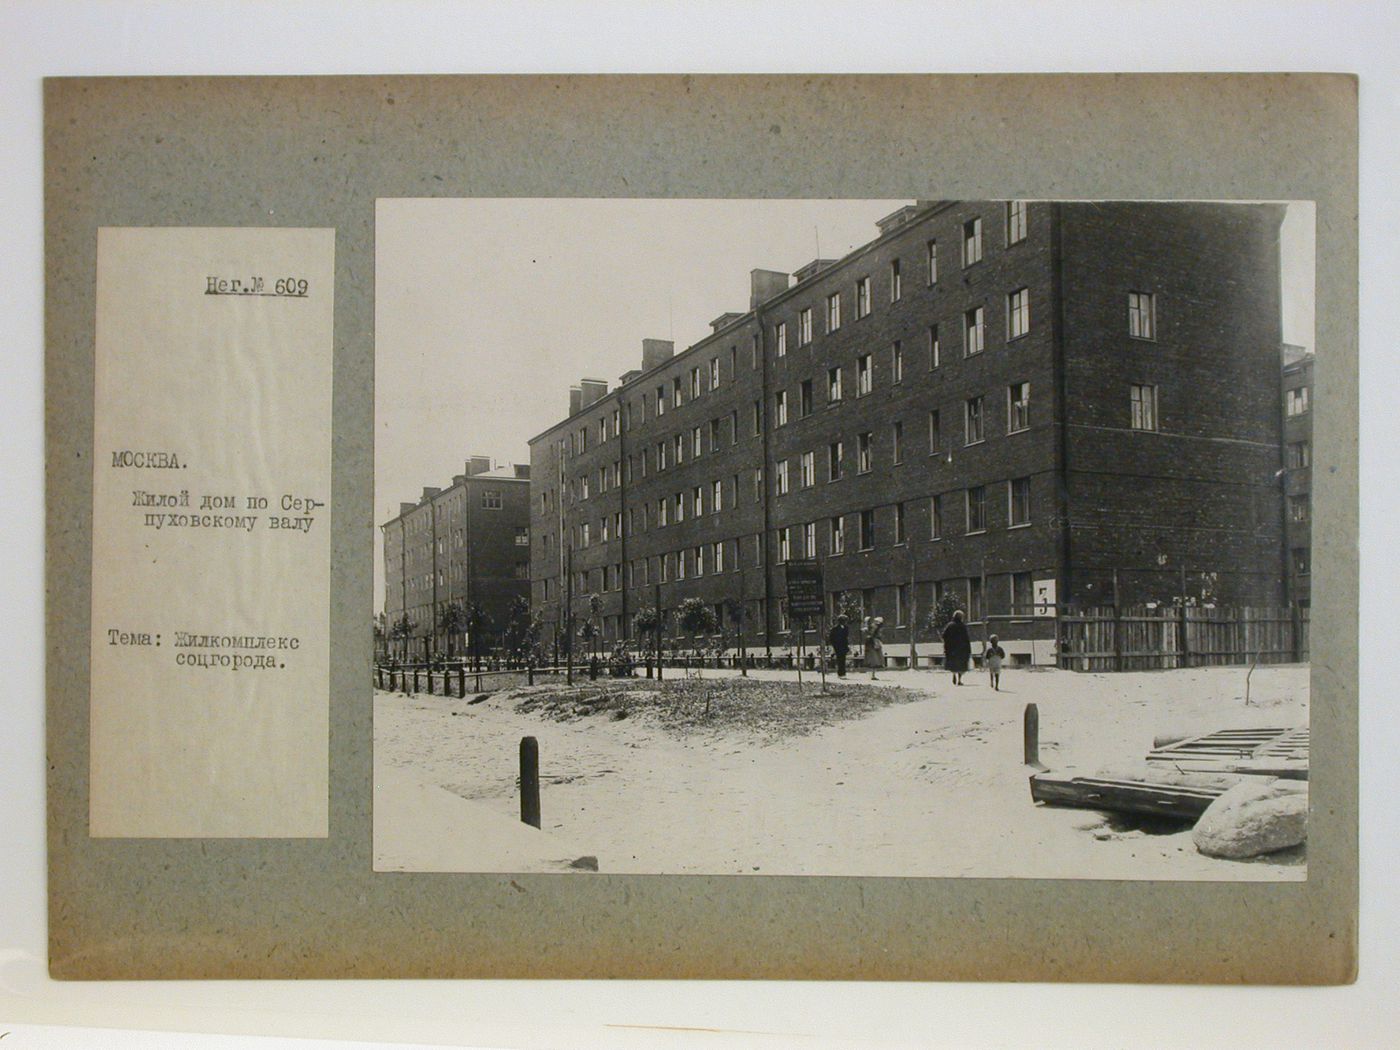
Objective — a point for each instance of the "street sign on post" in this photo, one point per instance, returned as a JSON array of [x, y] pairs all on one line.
[[805, 600], [804, 588]]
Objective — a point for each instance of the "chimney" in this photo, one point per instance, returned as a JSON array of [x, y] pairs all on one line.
[[575, 400], [764, 284], [656, 351], [592, 390], [458, 479], [895, 219], [522, 470], [478, 465], [803, 272], [724, 320], [404, 508], [628, 376], [428, 493]]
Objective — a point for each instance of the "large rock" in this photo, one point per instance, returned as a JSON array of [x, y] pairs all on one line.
[[1252, 818]]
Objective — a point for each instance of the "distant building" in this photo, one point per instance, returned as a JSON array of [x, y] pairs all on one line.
[[1297, 470], [468, 544], [1019, 404]]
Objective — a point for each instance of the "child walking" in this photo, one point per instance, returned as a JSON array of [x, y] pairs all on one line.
[[994, 656]]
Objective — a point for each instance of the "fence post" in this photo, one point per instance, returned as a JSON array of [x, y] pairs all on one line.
[[530, 781], [1031, 734], [462, 682]]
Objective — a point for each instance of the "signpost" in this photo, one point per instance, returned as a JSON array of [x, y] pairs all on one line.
[[805, 600]]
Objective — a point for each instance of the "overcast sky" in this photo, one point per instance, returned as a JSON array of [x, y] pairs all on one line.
[[488, 310]]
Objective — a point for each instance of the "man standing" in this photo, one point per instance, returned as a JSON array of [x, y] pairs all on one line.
[[840, 639]]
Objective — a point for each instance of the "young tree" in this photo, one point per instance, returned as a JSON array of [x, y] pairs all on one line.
[[521, 636], [402, 631], [452, 621], [697, 618], [735, 612], [477, 625], [942, 613], [595, 606]]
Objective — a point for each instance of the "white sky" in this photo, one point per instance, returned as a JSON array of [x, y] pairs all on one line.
[[487, 310]]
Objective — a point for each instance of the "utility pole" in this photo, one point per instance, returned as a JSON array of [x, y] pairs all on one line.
[[569, 614]]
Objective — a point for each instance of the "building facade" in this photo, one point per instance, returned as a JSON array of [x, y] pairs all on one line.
[[1020, 404], [1297, 470], [468, 546]]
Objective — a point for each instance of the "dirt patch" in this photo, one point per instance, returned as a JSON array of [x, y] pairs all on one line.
[[772, 710]]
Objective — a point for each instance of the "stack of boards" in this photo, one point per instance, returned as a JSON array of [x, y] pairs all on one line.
[[1182, 776]]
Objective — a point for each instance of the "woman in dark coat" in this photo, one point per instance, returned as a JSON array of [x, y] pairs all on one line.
[[957, 647]]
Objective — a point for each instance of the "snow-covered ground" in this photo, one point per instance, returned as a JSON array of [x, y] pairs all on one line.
[[931, 787]]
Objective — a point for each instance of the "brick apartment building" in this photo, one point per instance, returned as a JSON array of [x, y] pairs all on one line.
[[467, 543], [1297, 476], [1012, 402]]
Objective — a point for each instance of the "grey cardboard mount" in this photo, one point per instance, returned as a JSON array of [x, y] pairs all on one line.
[[317, 152]]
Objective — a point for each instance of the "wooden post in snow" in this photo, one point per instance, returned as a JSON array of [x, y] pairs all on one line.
[[1031, 730], [530, 781]]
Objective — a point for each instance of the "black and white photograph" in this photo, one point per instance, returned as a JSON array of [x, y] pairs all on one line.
[[927, 537]]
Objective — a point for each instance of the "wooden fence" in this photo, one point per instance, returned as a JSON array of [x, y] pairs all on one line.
[[1139, 638]]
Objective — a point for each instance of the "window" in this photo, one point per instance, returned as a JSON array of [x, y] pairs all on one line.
[[1143, 400], [699, 498], [716, 496], [661, 455], [522, 570], [867, 530], [697, 444], [491, 498], [734, 427], [809, 540], [682, 557], [663, 512], [1015, 222], [733, 362], [835, 460], [603, 532], [1018, 407], [973, 331], [660, 401], [864, 379], [784, 544], [977, 509], [896, 286], [680, 507], [717, 556], [603, 430], [804, 398], [1298, 508], [1019, 502], [804, 326], [714, 435], [901, 604], [1302, 563], [809, 470], [781, 483], [780, 408], [974, 598], [833, 385], [1299, 454], [700, 561], [757, 418], [522, 537], [1142, 315], [714, 373], [972, 421], [1022, 596], [583, 535], [833, 311], [933, 352], [676, 393], [1296, 401], [780, 338], [862, 297], [758, 484], [754, 353], [897, 441], [1018, 313], [665, 567], [838, 535], [899, 536], [935, 433], [897, 362], [972, 241], [863, 452], [935, 517], [678, 447], [932, 256]]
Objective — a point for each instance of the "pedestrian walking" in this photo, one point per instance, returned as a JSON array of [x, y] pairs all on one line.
[[840, 639], [994, 656], [874, 648], [957, 647]]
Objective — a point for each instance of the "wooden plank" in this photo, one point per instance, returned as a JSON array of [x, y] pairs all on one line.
[[1182, 801]]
